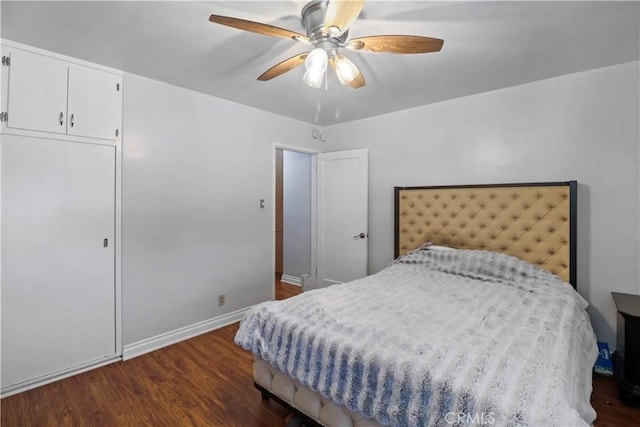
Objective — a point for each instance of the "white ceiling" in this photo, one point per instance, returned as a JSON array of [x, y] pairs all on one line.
[[488, 46]]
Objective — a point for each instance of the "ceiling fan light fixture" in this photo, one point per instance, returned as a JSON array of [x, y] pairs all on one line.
[[313, 78], [345, 69], [316, 61]]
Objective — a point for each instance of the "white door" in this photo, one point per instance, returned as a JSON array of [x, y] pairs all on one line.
[[37, 95], [342, 216], [58, 253], [94, 103]]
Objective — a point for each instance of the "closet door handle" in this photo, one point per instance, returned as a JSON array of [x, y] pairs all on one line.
[[105, 243], [72, 120], [61, 118]]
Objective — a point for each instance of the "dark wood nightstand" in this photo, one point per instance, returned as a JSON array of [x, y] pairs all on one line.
[[626, 359]]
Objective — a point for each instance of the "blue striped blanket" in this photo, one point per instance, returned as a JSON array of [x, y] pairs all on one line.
[[438, 338]]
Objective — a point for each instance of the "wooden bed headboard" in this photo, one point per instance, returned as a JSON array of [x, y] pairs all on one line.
[[535, 222]]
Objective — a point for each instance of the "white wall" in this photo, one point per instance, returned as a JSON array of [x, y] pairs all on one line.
[[582, 126], [194, 170], [297, 213]]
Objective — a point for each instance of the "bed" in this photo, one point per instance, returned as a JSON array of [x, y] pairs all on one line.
[[476, 322]]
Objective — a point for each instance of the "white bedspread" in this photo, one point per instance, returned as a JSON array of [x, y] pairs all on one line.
[[439, 338]]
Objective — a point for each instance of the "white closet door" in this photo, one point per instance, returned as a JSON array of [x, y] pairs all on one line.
[[37, 92], [58, 303], [94, 103]]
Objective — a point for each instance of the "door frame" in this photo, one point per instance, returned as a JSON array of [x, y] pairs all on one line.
[[312, 153]]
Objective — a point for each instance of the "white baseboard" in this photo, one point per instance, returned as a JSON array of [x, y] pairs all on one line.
[[133, 350], [60, 375], [292, 280], [148, 345]]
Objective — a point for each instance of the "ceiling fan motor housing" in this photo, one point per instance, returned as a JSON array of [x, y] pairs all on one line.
[[313, 17]]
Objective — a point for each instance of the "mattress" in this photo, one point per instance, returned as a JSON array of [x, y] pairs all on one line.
[[475, 335]]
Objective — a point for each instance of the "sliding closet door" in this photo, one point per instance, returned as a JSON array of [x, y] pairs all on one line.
[[58, 292]]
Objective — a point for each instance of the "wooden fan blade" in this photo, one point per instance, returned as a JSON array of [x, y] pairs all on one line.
[[257, 27], [396, 44], [283, 67], [356, 83], [341, 14]]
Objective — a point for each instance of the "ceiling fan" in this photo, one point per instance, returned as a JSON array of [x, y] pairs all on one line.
[[327, 25]]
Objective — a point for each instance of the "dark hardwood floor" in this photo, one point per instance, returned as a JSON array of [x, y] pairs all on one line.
[[204, 381], [285, 290], [611, 411]]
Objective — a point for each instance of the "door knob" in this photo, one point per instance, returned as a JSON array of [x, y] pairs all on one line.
[[360, 236]]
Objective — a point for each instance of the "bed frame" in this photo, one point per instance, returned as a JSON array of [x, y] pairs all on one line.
[[532, 221]]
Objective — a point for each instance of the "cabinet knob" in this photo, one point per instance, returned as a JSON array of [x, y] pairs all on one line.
[[61, 118], [72, 120]]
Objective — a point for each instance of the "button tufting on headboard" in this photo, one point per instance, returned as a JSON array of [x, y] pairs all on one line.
[[530, 221]]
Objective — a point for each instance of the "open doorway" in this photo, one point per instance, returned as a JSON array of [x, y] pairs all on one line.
[[293, 224]]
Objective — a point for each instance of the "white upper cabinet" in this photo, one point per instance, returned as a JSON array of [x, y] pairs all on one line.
[[94, 103], [37, 93], [53, 95]]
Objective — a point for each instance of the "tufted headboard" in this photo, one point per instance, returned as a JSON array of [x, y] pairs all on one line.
[[535, 222]]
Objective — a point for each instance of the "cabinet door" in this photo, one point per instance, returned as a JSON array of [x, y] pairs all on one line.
[[37, 95], [95, 101], [58, 253]]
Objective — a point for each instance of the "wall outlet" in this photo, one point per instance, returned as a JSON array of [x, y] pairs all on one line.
[[221, 299]]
